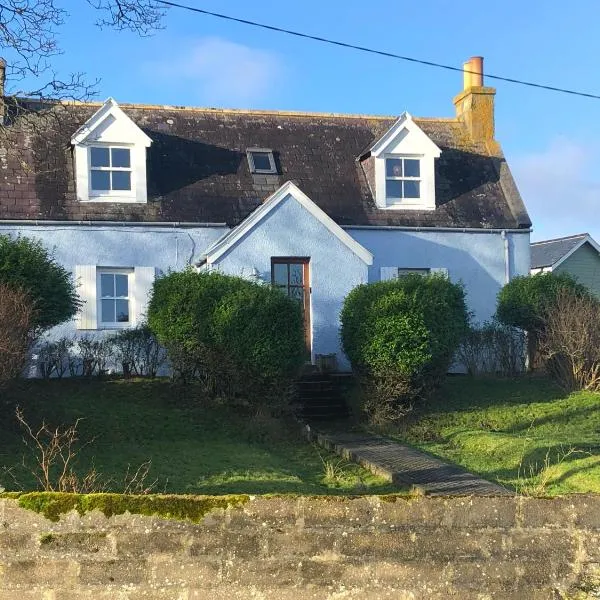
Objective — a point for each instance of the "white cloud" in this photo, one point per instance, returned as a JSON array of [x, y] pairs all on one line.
[[219, 72], [560, 186]]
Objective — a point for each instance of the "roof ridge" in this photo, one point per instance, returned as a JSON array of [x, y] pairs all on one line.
[[240, 111], [561, 239]]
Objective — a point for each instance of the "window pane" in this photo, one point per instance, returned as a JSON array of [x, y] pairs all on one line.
[[393, 167], [120, 157], [297, 293], [412, 167], [121, 286], [121, 180], [393, 188], [122, 307], [412, 189], [99, 157], [100, 180], [108, 311], [261, 161], [280, 274], [107, 285], [296, 274]]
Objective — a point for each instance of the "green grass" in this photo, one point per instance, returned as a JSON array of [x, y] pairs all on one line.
[[196, 446], [524, 433]]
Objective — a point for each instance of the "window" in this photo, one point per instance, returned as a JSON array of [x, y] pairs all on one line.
[[114, 298], [261, 160], [405, 272], [402, 178], [110, 169]]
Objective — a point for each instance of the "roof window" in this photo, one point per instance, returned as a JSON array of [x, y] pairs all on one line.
[[261, 160]]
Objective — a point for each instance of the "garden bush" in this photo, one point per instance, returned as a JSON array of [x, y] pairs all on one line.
[[137, 352], [524, 302], [240, 338], [401, 337], [26, 264], [16, 316]]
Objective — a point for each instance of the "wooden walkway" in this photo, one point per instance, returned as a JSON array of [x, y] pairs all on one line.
[[405, 466]]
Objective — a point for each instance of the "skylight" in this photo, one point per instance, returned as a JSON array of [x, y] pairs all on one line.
[[261, 160]]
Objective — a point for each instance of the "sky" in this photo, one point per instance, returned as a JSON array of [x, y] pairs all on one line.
[[551, 140]]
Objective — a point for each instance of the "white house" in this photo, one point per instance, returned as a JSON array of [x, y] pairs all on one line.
[[315, 203]]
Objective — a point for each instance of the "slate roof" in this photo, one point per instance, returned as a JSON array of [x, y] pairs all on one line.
[[198, 170], [549, 252]]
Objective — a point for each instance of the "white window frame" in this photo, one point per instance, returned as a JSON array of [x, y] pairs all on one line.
[[99, 194], [273, 167], [130, 272], [391, 200]]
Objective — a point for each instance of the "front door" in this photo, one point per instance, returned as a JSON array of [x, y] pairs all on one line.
[[292, 275]]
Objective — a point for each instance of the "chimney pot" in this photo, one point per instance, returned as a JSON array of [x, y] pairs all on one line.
[[473, 72]]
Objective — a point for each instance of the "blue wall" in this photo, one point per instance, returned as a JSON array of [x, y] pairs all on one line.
[[290, 230], [476, 259]]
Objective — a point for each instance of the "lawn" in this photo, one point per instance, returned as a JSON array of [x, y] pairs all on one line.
[[196, 446], [524, 433]]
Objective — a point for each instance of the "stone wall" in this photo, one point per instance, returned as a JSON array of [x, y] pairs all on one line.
[[295, 548]]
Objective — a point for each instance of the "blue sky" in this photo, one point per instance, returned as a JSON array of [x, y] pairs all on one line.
[[551, 140]]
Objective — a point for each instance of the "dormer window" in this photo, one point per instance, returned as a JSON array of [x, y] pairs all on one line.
[[404, 167], [110, 157], [110, 170], [402, 179], [261, 161]]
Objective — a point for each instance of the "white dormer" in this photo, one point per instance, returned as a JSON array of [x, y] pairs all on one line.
[[405, 167], [110, 157]]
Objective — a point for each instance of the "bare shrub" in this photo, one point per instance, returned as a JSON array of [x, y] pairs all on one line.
[[16, 315], [53, 454], [493, 349], [55, 358], [570, 344], [138, 351], [386, 397], [94, 355]]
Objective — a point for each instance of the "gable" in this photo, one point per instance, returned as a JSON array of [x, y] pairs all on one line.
[[288, 192]]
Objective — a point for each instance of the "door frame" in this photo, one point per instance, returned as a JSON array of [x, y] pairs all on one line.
[[305, 262]]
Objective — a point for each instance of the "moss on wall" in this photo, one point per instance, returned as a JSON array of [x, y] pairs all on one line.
[[182, 508]]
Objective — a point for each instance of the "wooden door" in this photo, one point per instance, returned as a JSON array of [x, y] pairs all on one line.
[[292, 275]]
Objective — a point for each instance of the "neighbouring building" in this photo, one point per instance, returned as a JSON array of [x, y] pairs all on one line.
[[577, 255], [315, 203]]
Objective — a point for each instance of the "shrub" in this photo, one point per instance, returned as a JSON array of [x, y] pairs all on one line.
[[493, 348], [27, 264], [235, 335], [570, 343], [401, 336], [55, 358], [138, 351], [524, 303], [16, 316]]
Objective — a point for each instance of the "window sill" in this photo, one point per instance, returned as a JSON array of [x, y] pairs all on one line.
[[408, 206], [114, 199], [109, 326]]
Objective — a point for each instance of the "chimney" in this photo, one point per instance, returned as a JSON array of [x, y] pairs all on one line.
[[475, 104]]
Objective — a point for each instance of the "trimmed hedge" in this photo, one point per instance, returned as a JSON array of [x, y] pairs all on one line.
[[241, 337], [404, 333], [524, 301]]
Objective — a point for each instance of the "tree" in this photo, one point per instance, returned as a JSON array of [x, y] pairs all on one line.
[[29, 32], [27, 265]]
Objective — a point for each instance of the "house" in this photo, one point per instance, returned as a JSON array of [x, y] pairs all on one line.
[[315, 203], [577, 255]]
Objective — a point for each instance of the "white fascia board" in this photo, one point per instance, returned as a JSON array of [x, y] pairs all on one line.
[[288, 189], [405, 121], [586, 240], [133, 134]]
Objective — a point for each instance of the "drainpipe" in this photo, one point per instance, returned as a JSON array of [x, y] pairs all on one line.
[[506, 256]]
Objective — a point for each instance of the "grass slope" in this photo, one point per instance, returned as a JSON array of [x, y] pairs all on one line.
[[524, 433], [196, 447]]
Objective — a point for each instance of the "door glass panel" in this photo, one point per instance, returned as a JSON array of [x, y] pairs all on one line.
[[296, 274], [297, 293], [280, 274]]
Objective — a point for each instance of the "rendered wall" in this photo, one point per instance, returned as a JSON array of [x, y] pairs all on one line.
[[367, 548], [290, 230], [476, 259], [584, 265]]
